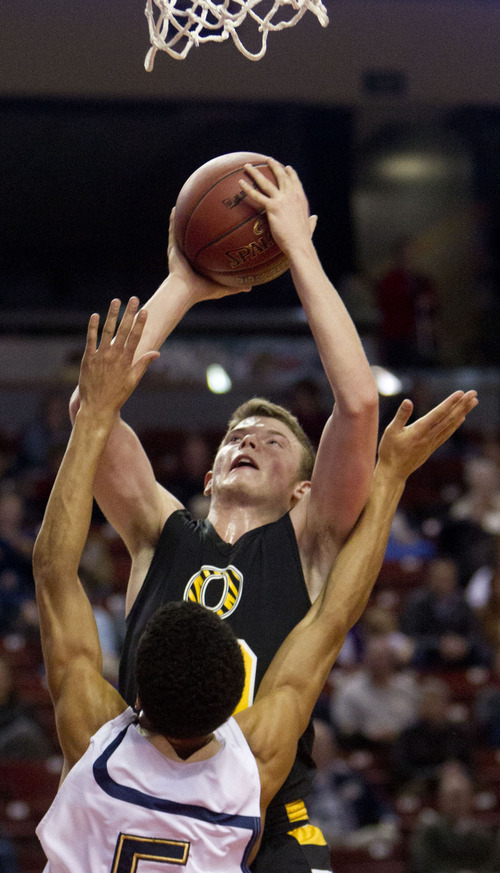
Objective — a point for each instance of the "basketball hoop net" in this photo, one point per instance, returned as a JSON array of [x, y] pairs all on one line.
[[174, 29]]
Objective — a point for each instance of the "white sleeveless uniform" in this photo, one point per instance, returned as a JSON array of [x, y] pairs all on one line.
[[125, 807]]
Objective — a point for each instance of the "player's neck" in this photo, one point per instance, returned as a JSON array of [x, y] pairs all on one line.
[[194, 749], [197, 749], [231, 522]]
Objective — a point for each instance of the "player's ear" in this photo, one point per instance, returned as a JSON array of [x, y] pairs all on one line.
[[300, 489], [207, 490]]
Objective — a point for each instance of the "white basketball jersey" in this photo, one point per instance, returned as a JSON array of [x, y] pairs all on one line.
[[126, 808]]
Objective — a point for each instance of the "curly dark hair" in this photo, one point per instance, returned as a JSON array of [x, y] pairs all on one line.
[[189, 669], [263, 408]]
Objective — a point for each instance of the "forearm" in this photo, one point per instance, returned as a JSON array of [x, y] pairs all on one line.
[[337, 340], [311, 648], [166, 308]]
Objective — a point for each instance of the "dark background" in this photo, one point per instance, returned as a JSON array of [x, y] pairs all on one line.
[[87, 187]]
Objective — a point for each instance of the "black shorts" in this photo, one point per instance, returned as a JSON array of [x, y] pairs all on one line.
[[303, 850]]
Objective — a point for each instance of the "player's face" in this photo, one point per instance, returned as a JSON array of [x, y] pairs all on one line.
[[260, 457]]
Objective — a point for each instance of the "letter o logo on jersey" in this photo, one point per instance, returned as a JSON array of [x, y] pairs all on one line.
[[218, 590]]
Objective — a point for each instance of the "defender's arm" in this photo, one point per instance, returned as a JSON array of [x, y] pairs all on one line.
[[82, 699], [297, 674]]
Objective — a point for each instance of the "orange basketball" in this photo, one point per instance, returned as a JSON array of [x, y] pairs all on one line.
[[222, 235]]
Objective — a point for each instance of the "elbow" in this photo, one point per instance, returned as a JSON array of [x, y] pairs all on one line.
[[45, 567], [365, 402], [360, 403], [40, 562]]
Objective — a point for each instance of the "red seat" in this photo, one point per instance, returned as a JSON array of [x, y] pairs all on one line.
[[30, 780]]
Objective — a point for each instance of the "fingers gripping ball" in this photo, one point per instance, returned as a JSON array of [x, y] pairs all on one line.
[[223, 236]]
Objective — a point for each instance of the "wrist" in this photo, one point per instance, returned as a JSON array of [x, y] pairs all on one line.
[[181, 285], [300, 252], [389, 477], [96, 418]]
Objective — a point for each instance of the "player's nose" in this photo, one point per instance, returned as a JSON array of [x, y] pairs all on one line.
[[248, 440]]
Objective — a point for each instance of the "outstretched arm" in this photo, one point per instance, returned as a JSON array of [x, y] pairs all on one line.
[[125, 485], [82, 699], [346, 454], [297, 674]]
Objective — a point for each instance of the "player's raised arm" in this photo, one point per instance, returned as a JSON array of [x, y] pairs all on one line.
[[299, 670], [125, 485], [82, 699], [346, 453]]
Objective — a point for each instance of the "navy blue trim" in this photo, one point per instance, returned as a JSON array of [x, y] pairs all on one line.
[[132, 795]]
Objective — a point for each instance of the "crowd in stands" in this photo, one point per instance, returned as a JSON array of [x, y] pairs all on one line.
[[408, 726]]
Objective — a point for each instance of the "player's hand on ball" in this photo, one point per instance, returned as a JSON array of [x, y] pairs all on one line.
[[285, 203], [201, 288]]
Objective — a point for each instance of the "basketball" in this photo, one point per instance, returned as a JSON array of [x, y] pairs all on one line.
[[219, 231]]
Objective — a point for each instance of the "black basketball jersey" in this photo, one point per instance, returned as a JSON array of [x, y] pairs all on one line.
[[257, 584]]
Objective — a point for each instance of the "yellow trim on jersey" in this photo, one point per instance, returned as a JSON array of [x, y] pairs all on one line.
[[308, 835], [305, 834], [296, 811]]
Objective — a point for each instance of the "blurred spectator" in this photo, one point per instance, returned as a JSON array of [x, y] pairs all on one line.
[[451, 839], [480, 586], [95, 571], [429, 742], [50, 428], [21, 736], [13, 532], [188, 483], [488, 612], [487, 706], [480, 502], [373, 705], [352, 652], [343, 803], [8, 856], [473, 520], [16, 546], [383, 621], [306, 403], [408, 305], [38, 484], [437, 618], [407, 541]]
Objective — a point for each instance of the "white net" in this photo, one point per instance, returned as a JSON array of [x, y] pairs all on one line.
[[176, 28]]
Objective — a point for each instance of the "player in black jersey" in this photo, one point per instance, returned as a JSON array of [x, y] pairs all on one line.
[[160, 785], [266, 505]]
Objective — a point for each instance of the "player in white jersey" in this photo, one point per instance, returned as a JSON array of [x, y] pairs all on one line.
[[180, 780], [121, 802]]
